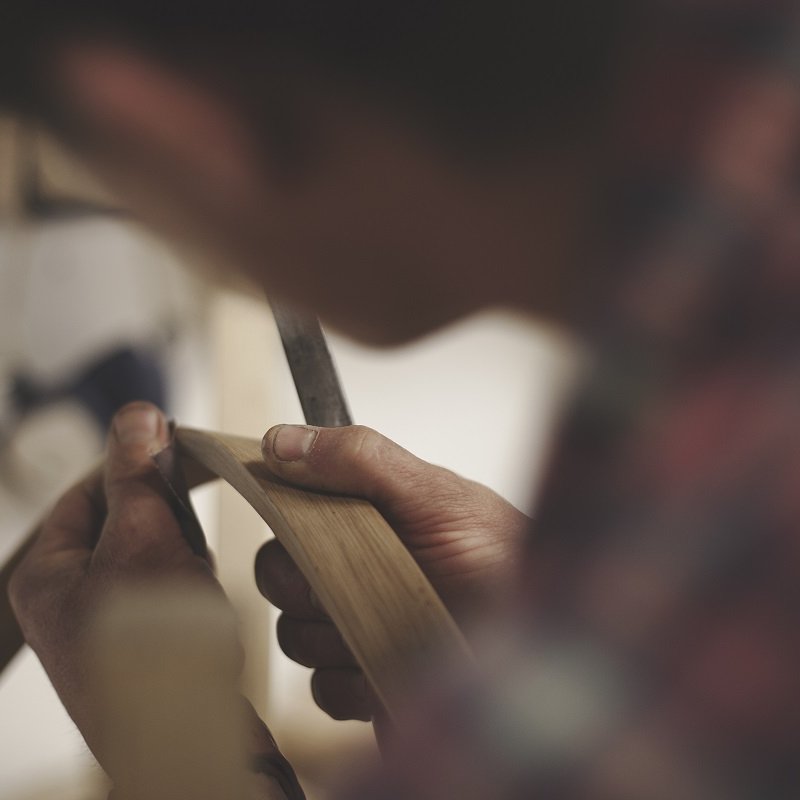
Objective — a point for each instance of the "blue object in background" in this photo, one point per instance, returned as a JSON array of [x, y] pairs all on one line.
[[122, 376]]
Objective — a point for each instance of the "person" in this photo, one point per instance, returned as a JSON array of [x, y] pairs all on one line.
[[628, 171]]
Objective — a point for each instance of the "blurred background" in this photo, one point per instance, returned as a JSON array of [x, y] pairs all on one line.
[[94, 313]]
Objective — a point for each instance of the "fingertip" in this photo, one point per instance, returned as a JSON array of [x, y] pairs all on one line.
[[277, 577], [281, 583], [140, 424], [287, 443], [261, 567], [138, 431], [266, 442], [342, 694]]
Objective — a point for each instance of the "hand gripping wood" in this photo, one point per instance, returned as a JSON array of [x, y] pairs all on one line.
[[384, 607], [386, 610]]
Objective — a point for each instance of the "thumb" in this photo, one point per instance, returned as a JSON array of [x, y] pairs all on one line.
[[352, 460], [462, 534], [138, 513]]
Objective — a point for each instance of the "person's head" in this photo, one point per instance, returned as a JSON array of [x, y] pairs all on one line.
[[390, 165]]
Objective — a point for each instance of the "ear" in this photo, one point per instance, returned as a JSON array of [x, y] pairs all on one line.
[[153, 113]]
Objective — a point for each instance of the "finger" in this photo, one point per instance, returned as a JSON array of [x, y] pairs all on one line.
[[281, 582], [342, 693], [62, 547], [352, 460], [76, 519], [313, 644], [139, 516]]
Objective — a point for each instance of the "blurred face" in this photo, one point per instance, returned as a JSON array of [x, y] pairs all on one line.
[[377, 231]]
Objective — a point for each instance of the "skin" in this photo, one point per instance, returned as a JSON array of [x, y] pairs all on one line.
[[93, 540], [384, 235], [463, 536]]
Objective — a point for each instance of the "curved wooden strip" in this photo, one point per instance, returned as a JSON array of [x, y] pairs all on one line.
[[11, 638], [373, 590]]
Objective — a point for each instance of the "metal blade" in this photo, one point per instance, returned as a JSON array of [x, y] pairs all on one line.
[[312, 368]]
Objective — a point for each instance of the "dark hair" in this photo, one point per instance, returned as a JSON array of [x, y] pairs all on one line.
[[476, 72]]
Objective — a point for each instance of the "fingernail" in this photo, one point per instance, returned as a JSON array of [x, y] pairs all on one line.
[[137, 426], [293, 442]]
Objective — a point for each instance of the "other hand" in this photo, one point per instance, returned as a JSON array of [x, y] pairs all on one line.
[[115, 526]]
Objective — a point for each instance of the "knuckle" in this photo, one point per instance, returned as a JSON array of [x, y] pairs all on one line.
[[368, 456], [365, 446], [386, 469]]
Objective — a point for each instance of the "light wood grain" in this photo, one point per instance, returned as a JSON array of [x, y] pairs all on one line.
[[384, 607]]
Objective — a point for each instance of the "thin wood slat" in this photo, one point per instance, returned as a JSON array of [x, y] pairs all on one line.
[[373, 590]]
